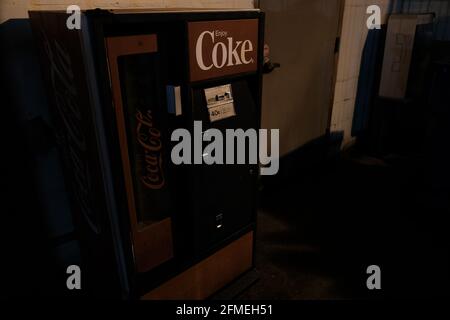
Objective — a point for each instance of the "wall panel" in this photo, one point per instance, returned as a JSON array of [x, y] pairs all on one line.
[[353, 37], [297, 97], [18, 8]]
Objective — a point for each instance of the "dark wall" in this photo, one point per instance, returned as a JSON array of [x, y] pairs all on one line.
[[39, 237]]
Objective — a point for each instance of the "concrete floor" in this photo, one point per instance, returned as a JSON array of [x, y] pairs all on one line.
[[318, 233]]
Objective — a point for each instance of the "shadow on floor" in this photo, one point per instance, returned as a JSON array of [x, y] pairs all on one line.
[[318, 233]]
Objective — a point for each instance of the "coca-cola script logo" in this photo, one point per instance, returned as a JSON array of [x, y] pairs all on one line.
[[69, 125], [149, 138], [219, 48]]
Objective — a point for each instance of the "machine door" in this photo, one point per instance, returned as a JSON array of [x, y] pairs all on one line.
[[138, 102], [225, 194]]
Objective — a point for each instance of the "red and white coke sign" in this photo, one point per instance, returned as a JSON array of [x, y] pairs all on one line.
[[221, 48]]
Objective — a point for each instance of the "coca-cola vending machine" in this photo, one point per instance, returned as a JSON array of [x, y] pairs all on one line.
[[119, 88]]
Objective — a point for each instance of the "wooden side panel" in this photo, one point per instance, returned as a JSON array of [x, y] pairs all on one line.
[[210, 275]]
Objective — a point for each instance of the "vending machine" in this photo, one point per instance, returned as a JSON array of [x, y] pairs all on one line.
[[120, 87]]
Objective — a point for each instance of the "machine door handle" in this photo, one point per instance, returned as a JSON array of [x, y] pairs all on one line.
[[270, 66]]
